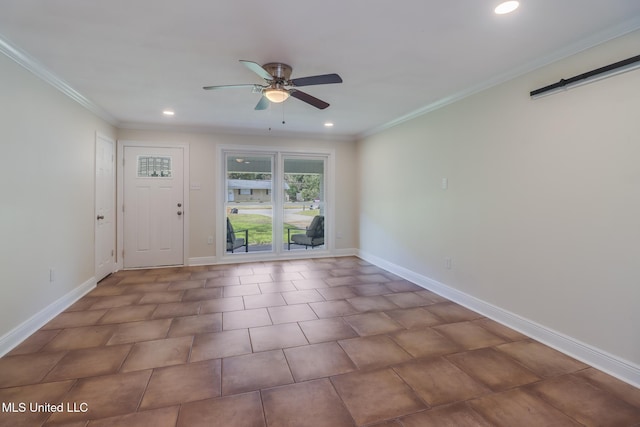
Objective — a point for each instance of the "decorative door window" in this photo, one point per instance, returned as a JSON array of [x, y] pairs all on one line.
[[154, 167]]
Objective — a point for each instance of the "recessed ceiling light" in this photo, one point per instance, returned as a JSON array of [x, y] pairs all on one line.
[[168, 113], [328, 125], [506, 7]]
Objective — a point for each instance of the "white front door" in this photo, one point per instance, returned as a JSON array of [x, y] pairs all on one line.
[[153, 207], [105, 233]]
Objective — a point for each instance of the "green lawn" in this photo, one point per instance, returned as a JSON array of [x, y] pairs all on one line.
[[259, 226]]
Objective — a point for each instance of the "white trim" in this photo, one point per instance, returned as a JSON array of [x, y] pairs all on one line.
[[121, 144], [39, 70], [21, 332], [632, 24], [278, 153], [622, 369], [204, 260], [104, 137], [296, 255]]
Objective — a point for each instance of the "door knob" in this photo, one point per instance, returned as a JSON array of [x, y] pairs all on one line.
[[100, 217], [179, 212], [179, 205]]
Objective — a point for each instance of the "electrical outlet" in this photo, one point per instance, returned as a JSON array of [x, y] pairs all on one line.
[[52, 275], [447, 263], [210, 240]]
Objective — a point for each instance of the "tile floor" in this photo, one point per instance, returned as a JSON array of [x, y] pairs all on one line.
[[324, 342]]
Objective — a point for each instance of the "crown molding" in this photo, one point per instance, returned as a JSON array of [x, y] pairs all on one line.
[[35, 67], [572, 49]]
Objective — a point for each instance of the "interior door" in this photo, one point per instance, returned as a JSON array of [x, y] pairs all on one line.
[[153, 207], [105, 235]]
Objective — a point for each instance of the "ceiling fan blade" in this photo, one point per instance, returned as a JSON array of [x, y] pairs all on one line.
[[317, 80], [257, 68], [262, 104], [253, 86], [311, 100]]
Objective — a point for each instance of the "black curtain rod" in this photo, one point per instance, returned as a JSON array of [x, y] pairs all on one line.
[[564, 82]]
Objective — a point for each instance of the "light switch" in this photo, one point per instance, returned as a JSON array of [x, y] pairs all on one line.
[[445, 183]]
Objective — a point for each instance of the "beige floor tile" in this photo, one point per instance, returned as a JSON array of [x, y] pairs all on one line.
[[331, 329], [312, 404], [221, 305], [46, 392], [220, 344], [176, 309], [207, 345], [586, 403], [469, 335], [238, 410], [89, 362], [374, 352], [493, 368], [407, 299], [542, 360], [439, 382], [412, 318], [105, 396], [618, 388], [372, 303], [163, 417], [201, 294], [375, 396], [140, 331], [75, 318], [425, 342], [272, 337], [245, 319], [192, 325], [82, 337], [451, 312], [277, 287], [291, 313], [318, 361], [517, 407], [301, 297], [241, 290], [182, 383], [158, 353], [456, 415], [254, 371], [372, 324], [34, 343], [128, 314]]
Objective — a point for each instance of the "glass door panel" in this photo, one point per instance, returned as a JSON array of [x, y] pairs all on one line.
[[303, 203], [249, 203]]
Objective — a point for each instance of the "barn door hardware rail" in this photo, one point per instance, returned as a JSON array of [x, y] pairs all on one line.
[[588, 77]]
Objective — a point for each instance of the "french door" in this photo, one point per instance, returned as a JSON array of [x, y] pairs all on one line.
[[269, 197]]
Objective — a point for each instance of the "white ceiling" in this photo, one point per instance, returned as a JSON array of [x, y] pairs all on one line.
[[133, 59]]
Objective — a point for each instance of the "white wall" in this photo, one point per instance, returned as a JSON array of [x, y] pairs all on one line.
[[204, 170], [542, 214], [47, 206]]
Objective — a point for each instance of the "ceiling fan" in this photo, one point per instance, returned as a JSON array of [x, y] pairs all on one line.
[[279, 85]]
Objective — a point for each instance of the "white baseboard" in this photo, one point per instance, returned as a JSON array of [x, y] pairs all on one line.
[[14, 337], [204, 260], [241, 257], [599, 359]]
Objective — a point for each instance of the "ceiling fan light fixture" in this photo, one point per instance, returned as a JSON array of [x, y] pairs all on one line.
[[276, 95]]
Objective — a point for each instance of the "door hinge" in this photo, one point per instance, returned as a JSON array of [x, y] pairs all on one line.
[[122, 208], [112, 252], [123, 253]]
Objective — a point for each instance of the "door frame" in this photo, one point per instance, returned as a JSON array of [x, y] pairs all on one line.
[[112, 197], [279, 153], [120, 194]]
